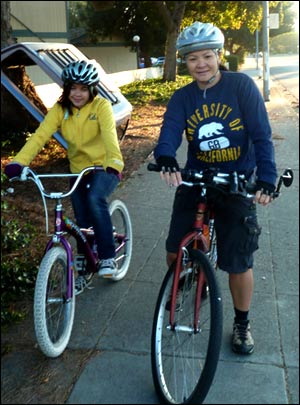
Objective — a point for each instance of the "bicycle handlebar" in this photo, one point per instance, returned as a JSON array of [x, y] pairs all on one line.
[[237, 182], [29, 174]]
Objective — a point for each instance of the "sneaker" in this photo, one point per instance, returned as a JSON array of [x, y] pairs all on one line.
[[107, 268], [242, 341], [81, 282]]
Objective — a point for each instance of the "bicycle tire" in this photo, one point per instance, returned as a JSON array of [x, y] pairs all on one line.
[[184, 364], [53, 316], [122, 226]]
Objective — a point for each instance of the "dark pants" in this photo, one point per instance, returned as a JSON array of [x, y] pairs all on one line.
[[236, 226], [91, 209]]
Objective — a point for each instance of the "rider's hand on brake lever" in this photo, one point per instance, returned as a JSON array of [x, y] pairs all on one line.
[[264, 193], [169, 170], [263, 199], [171, 179]]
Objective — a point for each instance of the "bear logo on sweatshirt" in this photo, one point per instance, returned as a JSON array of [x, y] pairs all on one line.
[[208, 131]]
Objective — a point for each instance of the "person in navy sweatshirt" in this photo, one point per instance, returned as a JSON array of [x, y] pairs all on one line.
[[224, 119]]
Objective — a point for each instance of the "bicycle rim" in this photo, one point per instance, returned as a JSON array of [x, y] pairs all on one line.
[[184, 363], [53, 314], [122, 229]]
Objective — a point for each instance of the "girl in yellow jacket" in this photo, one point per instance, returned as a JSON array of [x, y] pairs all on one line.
[[87, 123]]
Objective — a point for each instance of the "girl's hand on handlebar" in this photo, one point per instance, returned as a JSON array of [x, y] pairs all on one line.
[[13, 170]]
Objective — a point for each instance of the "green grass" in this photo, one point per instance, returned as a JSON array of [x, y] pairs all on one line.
[[152, 91]]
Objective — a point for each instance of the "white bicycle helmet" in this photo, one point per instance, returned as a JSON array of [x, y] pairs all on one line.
[[199, 36], [83, 72]]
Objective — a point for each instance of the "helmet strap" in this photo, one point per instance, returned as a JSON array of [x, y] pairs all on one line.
[[210, 81]]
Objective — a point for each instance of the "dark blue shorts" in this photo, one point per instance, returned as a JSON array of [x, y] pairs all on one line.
[[236, 226]]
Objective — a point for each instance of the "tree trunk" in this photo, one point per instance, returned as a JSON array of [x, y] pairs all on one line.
[[172, 22], [170, 67], [14, 117], [6, 30]]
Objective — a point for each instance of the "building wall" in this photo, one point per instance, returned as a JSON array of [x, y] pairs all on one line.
[[113, 59], [47, 21], [39, 20]]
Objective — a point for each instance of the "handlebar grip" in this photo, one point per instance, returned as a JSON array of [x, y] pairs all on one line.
[[153, 167]]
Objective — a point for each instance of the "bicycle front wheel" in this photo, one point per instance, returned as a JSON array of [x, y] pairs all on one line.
[[122, 230], [53, 313], [184, 361]]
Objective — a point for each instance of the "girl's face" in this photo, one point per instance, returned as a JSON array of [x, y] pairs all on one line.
[[202, 65], [79, 95]]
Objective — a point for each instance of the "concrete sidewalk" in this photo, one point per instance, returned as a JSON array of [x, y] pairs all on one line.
[[110, 344]]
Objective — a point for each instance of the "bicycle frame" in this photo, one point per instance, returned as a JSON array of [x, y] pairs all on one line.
[[65, 225], [199, 240]]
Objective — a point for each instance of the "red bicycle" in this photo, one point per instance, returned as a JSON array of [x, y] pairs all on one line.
[[187, 325]]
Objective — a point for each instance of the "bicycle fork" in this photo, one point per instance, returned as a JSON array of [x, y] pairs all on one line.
[[196, 237]]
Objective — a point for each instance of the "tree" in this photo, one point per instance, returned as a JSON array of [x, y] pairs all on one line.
[[9, 105], [158, 23], [6, 30], [129, 18], [285, 43], [172, 16]]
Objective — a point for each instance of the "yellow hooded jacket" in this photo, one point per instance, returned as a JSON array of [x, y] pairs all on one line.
[[90, 133]]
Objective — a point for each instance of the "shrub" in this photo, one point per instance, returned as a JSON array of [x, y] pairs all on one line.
[[285, 43], [233, 61], [17, 270], [154, 91]]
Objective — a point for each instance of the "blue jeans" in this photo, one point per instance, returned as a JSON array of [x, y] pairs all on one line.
[[91, 209]]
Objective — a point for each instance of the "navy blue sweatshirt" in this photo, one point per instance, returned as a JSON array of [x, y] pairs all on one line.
[[229, 129]]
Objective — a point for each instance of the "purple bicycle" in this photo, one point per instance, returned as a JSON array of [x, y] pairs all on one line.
[[54, 296]]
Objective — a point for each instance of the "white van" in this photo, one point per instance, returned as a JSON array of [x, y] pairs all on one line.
[[44, 63]]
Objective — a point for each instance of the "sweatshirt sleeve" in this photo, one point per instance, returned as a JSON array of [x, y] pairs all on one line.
[[40, 137], [257, 123], [109, 135], [171, 132]]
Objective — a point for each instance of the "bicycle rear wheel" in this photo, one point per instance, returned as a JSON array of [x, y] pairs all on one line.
[[122, 230], [53, 314], [184, 362]]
